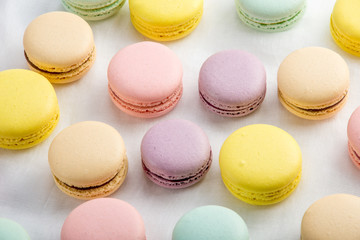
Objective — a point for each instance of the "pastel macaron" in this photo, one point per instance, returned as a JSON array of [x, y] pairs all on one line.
[[331, 218], [104, 218], [145, 79], [59, 46], [11, 230], [232, 83], [29, 109], [164, 20], [270, 16], [210, 222], [344, 25], [260, 164], [88, 160], [353, 133], [93, 9], [175, 153], [313, 83]]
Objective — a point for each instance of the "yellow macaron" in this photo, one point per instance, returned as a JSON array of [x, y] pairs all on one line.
[[29, 108], [260, 164], [345, 27], [164, 20]]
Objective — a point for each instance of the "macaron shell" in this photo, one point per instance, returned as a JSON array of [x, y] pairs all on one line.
[[353, 131], [331, 218], [313, 76], [104, 218], [346, 16], [210, 222], [58, 41], [12, 230]]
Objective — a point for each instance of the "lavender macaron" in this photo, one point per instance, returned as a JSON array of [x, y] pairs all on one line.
[[232, 83], [175, 153]]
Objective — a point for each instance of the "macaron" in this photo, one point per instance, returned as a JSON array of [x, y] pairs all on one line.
[[104, 218], [88, 160], [313, 83], [270, 16], [210, 222], [260, 164], [145, 79], [59, 46], [344, 25], [333, 217], [12, 230], [175, 153], [353, 133], [29, 109], [164, 20], [93, 9], [232, 83]]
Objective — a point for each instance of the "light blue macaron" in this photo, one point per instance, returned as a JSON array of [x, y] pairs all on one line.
[[93, 9], [10, 230], [270, 15], [211, 223]]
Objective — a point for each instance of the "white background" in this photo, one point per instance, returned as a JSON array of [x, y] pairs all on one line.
[[29, 196]]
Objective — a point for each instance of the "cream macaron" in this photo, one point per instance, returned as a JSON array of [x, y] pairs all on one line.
[[88, 160]]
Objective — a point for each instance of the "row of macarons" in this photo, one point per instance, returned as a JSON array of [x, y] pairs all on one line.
[[330, 218]]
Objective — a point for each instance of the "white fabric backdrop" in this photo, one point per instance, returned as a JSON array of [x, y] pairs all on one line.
[[29, 196]]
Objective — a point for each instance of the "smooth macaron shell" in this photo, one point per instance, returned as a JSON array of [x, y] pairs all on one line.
[[270, 16], [104, 218], [88, 160], [145, 79], [210, 222], [353, 133], [175, 153], [163, 20], [59, 46], [93, 9], [232, 83], [260, 164], [12, 230], [333, 217], [29, 109], [344, 25], [313, 83]]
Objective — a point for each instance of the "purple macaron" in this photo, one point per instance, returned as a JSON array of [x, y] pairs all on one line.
[[232, 83], [175, 153]]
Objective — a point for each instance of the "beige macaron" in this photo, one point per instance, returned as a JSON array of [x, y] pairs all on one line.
[[88, 160], [313, 83], [334, 217], [60, 46]]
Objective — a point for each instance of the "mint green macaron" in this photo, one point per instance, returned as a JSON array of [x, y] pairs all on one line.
[[10, 230], [93, 9], [211, 222], [270, 15]]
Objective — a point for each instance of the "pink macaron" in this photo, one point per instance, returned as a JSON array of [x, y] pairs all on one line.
[[104, 218], [232, 83], [145, 79], [175, 153], [353, 132]]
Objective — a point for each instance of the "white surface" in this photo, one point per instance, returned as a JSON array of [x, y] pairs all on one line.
[[29, 196]]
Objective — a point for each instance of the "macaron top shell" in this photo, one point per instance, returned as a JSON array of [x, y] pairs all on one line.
[[58, 41], [313, 76], [274, 9], [210, 222], [346, 17], [232, 77], [12, 230], [145, 72], [164, 13], [104, 218], [353, 130], [331, 218], [260, 158], [87, 154], [175, 148], [27, 102]]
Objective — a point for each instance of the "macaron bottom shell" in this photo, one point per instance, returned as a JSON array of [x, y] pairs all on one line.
[[354, 156]]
